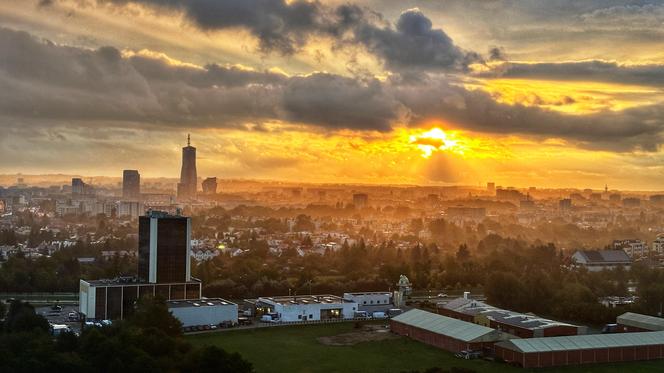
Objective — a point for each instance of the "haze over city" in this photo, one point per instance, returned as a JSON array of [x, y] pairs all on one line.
[[310, 186], [527, 93]]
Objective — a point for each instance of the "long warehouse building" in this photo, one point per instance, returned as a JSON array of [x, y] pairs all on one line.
[[582, 349], [445, 332], [635, 322]]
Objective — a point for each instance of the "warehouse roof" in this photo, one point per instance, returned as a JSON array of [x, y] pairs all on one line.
[[457, 329], [604, 256], [526, 321], [203, 302], [583, 342], [291, 300], [641, 321]]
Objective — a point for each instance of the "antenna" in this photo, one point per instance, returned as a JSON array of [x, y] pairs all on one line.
[[188, 140]]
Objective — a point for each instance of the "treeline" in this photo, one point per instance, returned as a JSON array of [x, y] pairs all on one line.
[[61, 272], [150, 341], [512, 273]]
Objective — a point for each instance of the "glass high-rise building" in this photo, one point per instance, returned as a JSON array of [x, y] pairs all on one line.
[[188, 175], [131, 185], [164, 246]]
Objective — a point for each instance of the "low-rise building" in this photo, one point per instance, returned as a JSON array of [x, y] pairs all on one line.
[[515, 323], [307, 307], [204, 311], [581, 349], [601, 259], [634, 248], [371, 301], [445, 332], [635, 322]]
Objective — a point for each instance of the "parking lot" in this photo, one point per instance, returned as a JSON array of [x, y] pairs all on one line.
[[60, 316]]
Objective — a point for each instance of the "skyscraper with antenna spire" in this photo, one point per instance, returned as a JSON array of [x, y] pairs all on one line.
[[188, 176]]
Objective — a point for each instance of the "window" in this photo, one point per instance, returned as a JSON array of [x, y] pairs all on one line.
[[365, 302], [311, 316], [299, 317], [371, 302]]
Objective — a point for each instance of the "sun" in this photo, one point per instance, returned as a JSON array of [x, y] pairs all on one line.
[[435, 139]]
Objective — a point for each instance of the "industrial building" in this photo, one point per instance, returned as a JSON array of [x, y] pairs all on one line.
[[371, 301], [582, 349], [206, 311], [445, 332], [514, 323], [635, 322], [307, 307]]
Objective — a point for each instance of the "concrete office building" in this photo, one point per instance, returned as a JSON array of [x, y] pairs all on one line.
[[188, 176], [131, 185], [163, 270]]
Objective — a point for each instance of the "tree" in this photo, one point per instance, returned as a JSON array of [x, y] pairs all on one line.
[[213, 359], [22, 317], [154, 313], [463, 253]]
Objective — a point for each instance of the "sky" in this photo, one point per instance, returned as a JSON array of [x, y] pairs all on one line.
[[548, 93]]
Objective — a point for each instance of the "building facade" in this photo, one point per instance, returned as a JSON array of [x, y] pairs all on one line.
[[210, 186], [188, 176], [131, 185]]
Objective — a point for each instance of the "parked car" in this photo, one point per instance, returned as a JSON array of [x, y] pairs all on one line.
[[72, 316], [379, 315], [469, 354], [361, 314], [244, 321], [394, 312]]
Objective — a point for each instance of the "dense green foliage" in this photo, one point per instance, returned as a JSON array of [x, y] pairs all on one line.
[[141, 344]]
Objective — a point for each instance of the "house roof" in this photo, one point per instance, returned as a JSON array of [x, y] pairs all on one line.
[[641, 321], [457, 329], [605, 256], [583, 342]]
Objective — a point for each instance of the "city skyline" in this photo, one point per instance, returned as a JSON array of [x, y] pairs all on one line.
[[553, 94]]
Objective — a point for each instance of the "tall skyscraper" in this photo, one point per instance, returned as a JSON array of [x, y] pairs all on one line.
[[164, 246], [188, 176], [131, 185], [210, 185]]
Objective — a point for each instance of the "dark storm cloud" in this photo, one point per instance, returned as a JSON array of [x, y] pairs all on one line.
[[44, 80], [41, 81], [600, 71], [336, 100], [413, 43], [279, 25]]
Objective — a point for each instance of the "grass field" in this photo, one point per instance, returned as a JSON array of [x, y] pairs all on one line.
[[296, 349]]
